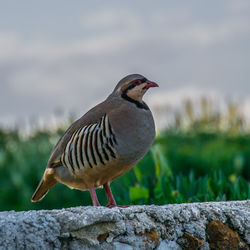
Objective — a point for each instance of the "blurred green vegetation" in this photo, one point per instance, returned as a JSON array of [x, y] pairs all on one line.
[[204, 157]]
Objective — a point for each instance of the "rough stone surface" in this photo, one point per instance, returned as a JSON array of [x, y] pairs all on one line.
[[179, 226], [222, 237]]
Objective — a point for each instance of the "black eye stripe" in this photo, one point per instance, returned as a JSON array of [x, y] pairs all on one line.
[[131, 86], [140, 81], [135, 83]]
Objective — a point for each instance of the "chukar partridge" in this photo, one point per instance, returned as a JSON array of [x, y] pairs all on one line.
[[104, 143]]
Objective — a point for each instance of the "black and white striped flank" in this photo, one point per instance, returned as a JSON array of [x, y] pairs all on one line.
[[90, 146]]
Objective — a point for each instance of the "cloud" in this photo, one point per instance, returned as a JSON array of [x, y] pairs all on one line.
[[206, 35], [111, 19], [178, 46]]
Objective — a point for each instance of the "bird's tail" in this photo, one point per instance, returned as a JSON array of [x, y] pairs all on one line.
[[46, 183]]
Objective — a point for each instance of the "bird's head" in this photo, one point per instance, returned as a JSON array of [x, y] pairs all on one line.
[[133, 87]]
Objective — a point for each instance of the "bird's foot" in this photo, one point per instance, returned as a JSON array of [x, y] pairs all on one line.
[[111, 200]]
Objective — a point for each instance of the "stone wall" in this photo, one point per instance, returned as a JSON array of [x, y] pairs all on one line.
[[218, 225]]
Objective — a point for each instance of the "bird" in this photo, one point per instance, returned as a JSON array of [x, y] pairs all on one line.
[[104, 143]]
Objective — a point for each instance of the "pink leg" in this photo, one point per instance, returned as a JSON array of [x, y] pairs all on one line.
[[94, 197], [111, 200]]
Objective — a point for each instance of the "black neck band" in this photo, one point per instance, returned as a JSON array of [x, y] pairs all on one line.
[[141, 105]]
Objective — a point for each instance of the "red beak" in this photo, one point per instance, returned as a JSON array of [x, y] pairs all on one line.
[[151, 84]]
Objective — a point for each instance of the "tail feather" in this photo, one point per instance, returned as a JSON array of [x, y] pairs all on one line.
[[46, 183]]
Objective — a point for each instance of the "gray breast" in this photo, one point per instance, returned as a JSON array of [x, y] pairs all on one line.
[[135, 135]]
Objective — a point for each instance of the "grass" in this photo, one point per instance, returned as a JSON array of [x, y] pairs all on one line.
[[196, 159]]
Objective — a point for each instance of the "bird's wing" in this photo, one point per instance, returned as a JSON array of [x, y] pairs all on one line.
[[90, 146], [91, 117]]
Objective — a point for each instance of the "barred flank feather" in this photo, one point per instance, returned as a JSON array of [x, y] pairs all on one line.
[[90, 146]]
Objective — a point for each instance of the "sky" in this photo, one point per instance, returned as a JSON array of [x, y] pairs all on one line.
[[69, 55]]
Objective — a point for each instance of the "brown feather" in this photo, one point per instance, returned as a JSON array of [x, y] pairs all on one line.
[[47, 182]]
